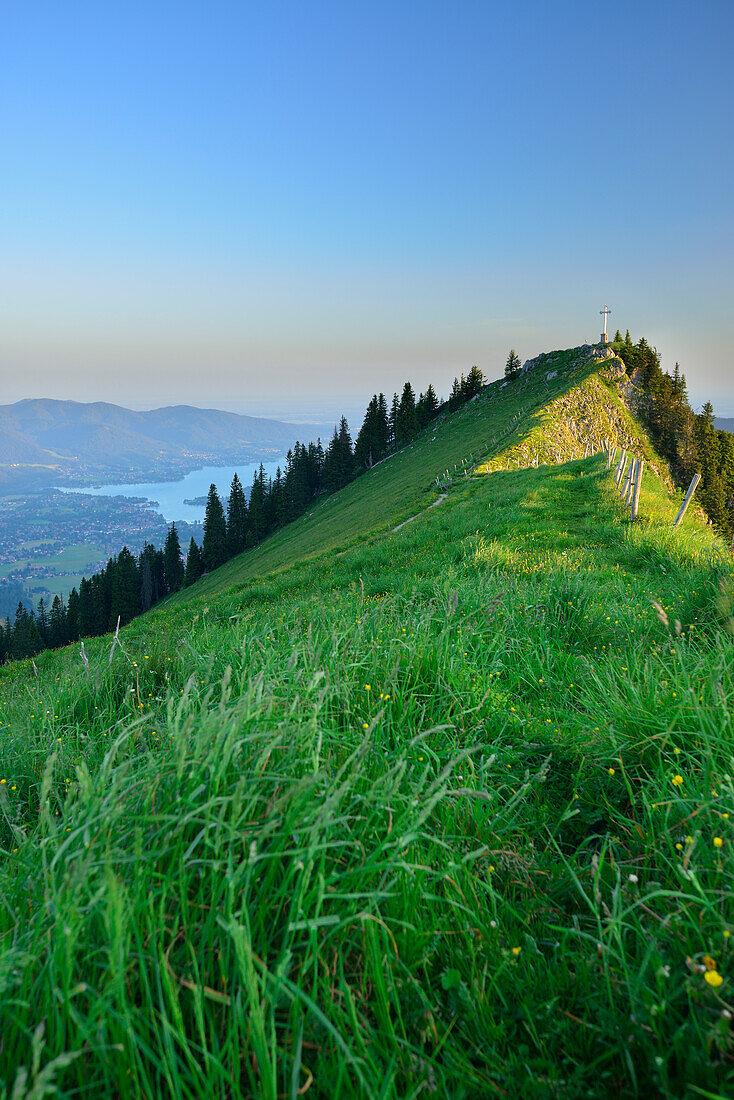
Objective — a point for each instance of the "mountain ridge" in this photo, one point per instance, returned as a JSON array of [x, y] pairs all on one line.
[[368, 785], [45, 439]]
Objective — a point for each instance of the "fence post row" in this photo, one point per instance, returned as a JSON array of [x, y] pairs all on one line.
[[631, 481]]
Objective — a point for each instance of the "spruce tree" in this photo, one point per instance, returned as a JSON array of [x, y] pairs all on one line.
[[194, 567], [147, 568], [474, 382], [42, 620], [407, 423], [236, 518], [124, 590], [86, 626], [57, 624], [512, 366], [393, 420], [366, 449], [257, 520], [172, 561], [346, 456], [382, 426], [26, 639], [214, 549], [72, 616], [430, 404]]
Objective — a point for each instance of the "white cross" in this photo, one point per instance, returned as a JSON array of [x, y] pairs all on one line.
[[605, 311]]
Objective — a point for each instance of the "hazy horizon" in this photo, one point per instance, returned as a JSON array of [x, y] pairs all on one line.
[[256, 205]]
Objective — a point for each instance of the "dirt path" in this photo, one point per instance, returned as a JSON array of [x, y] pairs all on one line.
[[411, 518]]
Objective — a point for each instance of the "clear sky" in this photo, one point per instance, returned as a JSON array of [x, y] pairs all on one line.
[[256, 204]]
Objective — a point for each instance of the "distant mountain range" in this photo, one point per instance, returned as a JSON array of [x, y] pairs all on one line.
[[44, 441], [724, 423]]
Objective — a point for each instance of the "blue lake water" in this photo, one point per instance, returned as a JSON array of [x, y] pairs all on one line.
[[171, 494]]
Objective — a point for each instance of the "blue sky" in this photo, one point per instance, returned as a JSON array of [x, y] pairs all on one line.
[[251, 205]]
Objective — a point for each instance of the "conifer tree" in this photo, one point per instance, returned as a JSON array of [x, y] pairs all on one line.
[[257, 520], [146, 565], [407, 422], [427, 407], [124, 590], [372, 440], [173, 566], [393, 420], [214, 548], [86, 621], [194, 567], [364, 447], [455, 397], [42, 620], [474, 382], [72, 616], [57, 624], [26, 639], [236, 518], [512, 366]]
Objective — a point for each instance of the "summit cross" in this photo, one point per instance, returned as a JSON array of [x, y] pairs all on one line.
[[605, 312]]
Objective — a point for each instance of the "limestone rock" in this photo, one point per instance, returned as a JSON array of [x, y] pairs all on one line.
[[613, 370]]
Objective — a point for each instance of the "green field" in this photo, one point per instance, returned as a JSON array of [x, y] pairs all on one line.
[[75, 561], [437, 811]]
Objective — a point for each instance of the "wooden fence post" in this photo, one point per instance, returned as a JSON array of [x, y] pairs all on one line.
[[623, 480], [631, 485], [691, 490], [638, 486], [618, 470], [627, 479]]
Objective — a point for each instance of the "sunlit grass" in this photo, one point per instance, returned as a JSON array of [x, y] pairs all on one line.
[[445, 812]]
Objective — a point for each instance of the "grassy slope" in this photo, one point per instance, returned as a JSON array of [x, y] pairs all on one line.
[[405, 483], [391, 820]]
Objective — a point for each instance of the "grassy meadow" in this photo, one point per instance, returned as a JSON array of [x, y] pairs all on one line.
[[441, 811]]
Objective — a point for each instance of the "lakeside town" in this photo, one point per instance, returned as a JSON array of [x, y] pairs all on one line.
[[50, 534]]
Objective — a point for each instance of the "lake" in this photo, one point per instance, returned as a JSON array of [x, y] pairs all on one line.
[[171, 494]]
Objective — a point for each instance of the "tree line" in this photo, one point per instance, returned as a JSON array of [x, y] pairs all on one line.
[[130, 585], [689, 441]]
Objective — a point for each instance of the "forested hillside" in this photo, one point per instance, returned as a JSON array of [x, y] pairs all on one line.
[[132, 584], [690, 441]]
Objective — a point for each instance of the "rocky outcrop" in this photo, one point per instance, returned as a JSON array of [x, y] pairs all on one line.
[[598, 410], [613, 371]]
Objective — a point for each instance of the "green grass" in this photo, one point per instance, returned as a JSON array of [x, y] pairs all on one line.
[[396, 820], [404, 484]]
